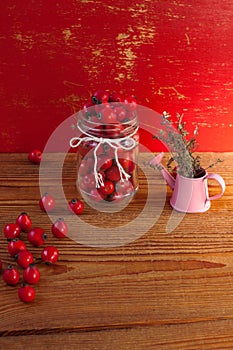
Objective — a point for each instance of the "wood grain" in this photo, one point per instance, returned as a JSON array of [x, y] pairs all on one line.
[[161, 291]]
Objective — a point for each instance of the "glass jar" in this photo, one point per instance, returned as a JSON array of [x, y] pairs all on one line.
[[107, 156]]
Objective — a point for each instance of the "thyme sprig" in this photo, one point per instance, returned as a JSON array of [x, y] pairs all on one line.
[[182, 147]]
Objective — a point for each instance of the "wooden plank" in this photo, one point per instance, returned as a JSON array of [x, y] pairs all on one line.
[[163, 291], [194, 336]]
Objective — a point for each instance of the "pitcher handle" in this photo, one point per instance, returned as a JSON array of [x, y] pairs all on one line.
[[221, 182]]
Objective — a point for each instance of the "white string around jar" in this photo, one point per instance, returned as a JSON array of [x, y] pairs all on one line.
[[113, 143]]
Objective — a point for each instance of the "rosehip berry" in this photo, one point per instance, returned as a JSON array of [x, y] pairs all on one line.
[[26, 293], [24, 258], [35, 156], [59, 228], [50, 255], [108, 116], [115, 97], [96, 195], [47, 202], [100, 96], [107, 188], [113, 173], [11, 275], [127, 164], [88, 182], [104, 162], [116, 197], [124, 187], [98, 110], [131, 102], [89, 108], [24, 222], [11, 231], [15, 246], [76, 206], [121, 113], [31, 274], [36, 236]]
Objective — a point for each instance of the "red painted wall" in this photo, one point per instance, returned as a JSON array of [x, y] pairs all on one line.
[[175, 55]]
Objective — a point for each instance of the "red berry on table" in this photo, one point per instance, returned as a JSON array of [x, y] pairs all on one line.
[[26, 293], [24, 222], [11, 275], [24, 258], [0, 265], [76, 206], [47, 202], [59, 228], [50, 255], [11, 231], [31, 274], [107, 188], [35, 156], [15, 246], [100, 96], [37, 236]]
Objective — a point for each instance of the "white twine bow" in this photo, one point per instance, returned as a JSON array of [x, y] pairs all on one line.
[[113, 143]]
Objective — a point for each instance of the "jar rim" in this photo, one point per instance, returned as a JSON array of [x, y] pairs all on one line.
[[106, 130]]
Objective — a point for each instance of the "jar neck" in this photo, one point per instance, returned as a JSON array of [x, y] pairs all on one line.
[[114, 130]]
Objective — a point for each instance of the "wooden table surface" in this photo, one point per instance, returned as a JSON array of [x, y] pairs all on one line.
[[160, 291]]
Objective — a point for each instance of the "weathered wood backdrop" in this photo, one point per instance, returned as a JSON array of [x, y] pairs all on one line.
[[175, 55]]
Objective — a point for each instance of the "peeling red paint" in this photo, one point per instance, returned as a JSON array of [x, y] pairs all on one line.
[[174, 55]]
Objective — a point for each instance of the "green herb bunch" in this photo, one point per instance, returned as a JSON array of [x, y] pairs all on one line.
[[182, 147]]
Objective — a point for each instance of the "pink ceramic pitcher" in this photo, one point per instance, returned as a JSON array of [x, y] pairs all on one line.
[[190, 195]]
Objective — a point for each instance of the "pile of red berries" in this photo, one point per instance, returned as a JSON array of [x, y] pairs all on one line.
[[21, 255], [112, 188], [20, 234]]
